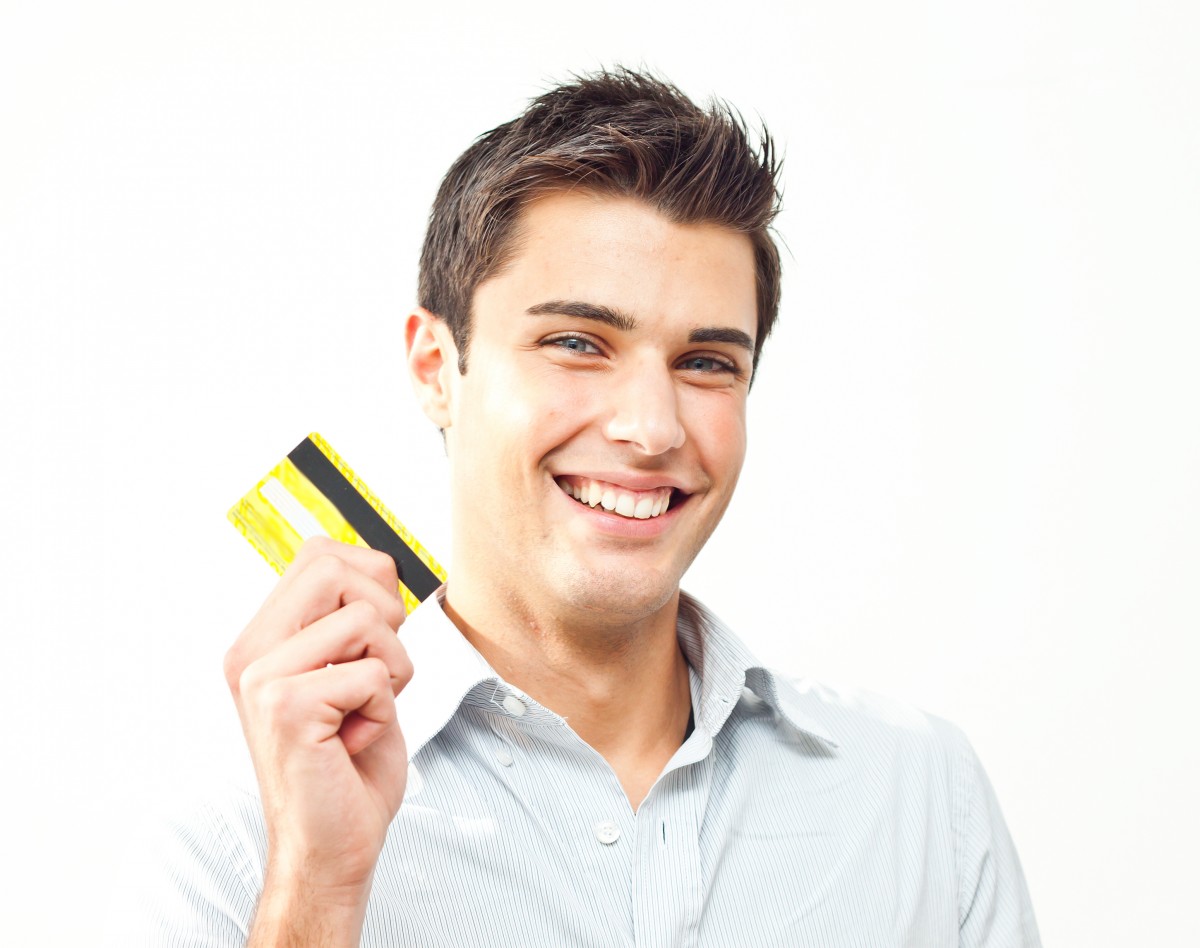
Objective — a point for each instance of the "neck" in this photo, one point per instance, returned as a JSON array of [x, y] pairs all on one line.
[[620, 682]]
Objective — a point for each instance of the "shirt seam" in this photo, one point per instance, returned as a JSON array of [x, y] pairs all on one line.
[[964, 797]]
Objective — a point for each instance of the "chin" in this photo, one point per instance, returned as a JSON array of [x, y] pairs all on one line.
[[625, 595]]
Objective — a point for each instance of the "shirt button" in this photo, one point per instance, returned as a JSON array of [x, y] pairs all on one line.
[[514, 706], [503, 757], [607, 832]]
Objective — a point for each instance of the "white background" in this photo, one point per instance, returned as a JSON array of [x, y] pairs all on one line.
[[974, 461]]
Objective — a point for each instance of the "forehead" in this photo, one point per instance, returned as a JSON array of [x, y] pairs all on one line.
[[622, 253]]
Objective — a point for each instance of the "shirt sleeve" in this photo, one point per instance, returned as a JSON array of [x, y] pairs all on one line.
[[198, 882], [994, 908]]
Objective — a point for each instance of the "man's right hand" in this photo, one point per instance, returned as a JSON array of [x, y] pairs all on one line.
[[314, 676]]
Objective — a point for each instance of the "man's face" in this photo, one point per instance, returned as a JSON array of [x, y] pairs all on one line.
[[609, 361]]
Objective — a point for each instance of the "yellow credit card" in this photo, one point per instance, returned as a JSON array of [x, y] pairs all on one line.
[[313, 492]]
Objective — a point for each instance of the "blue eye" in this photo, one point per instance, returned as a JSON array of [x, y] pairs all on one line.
[[706, 364], [575, 344]]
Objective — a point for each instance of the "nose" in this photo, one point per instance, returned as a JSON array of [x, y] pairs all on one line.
[[645, 411]]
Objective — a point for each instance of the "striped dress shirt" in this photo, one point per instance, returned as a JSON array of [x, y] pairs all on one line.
[[791, 815]]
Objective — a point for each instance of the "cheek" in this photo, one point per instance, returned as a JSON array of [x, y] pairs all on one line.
[[540, 404], [716, 424], [522, 412]]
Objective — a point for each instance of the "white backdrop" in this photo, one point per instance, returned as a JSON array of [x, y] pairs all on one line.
[[974, 461]]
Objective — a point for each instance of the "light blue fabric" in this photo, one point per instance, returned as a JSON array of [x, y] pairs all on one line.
[[792, 815]]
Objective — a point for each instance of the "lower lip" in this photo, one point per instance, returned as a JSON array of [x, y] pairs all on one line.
[[615, 525]]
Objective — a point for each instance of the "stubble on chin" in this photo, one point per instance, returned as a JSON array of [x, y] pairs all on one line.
[[617, 600]]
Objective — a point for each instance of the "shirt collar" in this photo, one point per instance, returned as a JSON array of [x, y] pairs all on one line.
[[725, 666], [446, 668]]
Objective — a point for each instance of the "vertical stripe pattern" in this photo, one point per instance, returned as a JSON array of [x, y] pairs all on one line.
[[793, 815]]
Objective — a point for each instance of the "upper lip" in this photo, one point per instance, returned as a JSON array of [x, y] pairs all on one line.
[[632, 480]]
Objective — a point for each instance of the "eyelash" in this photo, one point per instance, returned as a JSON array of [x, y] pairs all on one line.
[[559, 340], [719, 365]]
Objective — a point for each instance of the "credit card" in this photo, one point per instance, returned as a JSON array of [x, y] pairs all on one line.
[[313, 492]]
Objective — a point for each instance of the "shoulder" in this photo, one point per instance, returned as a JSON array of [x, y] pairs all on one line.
[[862, 721], [925, 772], [886, 748]]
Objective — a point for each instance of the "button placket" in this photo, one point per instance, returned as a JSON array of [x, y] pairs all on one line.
[[668, 876]]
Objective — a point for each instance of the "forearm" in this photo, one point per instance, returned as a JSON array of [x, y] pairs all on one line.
[[294, 914]]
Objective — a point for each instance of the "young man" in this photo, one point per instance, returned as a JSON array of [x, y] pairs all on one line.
[[562, 748]]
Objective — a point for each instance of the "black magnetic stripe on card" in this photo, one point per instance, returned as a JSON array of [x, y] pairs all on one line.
[[365, 519]]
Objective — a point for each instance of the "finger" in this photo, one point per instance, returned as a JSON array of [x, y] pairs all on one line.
[[353, 632], [324, 585], [381, 761], [329, 582], [360, 733], [324, 581], [360, 689], [378, 566], [308, 710]]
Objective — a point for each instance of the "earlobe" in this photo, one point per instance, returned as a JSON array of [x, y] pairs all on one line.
[[432, 361]]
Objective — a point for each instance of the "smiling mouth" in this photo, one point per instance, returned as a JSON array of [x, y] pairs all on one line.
[[634, 504]]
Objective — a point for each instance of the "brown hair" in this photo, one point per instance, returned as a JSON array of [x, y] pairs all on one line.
[[617, 132]]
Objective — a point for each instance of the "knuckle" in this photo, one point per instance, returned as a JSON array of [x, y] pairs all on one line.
[[383, 568], [378, 673], [309, 550], [273, 700], [395, 615], [249, 680], [232, 666], [403, 670], [363, 619], [328, 569], [362, 612]]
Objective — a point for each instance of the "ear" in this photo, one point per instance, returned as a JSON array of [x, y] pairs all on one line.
[[432, 364]]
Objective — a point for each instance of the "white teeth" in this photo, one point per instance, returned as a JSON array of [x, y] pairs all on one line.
[[597, 493]]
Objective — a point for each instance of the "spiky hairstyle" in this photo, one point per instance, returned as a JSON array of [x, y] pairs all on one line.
[[615, 132]]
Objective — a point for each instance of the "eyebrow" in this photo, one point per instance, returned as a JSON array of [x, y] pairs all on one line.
[[722, 334], [602, 314], [626, 323]]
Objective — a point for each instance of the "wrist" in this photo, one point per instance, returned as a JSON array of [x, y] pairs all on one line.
[[296, 909]]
